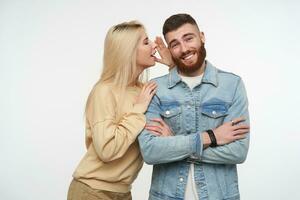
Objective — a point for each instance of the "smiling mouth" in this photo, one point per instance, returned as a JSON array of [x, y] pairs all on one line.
[[188, 56]]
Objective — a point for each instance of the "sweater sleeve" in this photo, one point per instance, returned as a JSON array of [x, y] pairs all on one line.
[[112, 138]]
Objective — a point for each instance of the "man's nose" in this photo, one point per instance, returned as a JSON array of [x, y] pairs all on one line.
[[184, 48]]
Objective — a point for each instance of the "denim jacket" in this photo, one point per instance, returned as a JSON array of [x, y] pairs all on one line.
[[219, 98]]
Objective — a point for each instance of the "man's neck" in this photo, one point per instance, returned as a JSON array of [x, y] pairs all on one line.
[[199, 72]]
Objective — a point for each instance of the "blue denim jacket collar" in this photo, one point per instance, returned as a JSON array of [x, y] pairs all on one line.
[[210, 76]]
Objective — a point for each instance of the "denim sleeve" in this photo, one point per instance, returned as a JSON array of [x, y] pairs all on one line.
[[157, 150], [235, 152]]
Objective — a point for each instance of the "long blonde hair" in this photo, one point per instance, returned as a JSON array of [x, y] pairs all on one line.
[[119, 59]]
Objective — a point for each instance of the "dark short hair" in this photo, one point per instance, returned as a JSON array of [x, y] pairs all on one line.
[[176, 21]]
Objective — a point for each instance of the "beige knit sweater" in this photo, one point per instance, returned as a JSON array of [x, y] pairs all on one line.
[[113, 159]]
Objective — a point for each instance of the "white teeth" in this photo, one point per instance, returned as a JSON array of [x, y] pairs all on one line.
[[188, 57]]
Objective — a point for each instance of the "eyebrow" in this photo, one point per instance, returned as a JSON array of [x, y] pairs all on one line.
[[185, 35]]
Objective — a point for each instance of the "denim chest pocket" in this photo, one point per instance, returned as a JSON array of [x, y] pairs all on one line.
[[214, 110], [213, 113], [172, 116]]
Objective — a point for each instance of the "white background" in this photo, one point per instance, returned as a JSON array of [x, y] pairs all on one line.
[[51, 55]]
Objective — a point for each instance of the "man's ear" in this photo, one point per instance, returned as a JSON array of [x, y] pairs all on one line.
[[202, 37]]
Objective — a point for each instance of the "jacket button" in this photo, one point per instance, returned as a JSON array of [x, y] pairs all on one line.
[[181, 179], [214, 112], [167, 112]]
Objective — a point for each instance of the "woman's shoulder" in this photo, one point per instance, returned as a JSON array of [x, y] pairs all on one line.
[[103, 88], [102, 91]]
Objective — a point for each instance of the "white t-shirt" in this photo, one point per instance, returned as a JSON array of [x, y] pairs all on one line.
[[190, 190]]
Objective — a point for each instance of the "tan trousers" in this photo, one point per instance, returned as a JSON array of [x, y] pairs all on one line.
[[81, 191]]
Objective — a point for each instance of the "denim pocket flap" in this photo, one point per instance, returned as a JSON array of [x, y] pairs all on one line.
[[170, 112], [214, 110]]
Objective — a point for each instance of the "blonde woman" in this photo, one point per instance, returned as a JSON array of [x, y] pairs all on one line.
[[115, 116]]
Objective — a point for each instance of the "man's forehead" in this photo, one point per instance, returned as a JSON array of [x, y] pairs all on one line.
[[181, 32]]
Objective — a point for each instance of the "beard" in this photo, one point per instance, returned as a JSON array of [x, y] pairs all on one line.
[[191, 68]]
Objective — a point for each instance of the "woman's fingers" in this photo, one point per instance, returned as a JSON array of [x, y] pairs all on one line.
[[160, 43], [149, 88], [152, 93]]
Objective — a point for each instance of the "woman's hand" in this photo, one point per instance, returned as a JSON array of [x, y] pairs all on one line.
[[166, 57], [144, 98], [231, 131], [160, 129]]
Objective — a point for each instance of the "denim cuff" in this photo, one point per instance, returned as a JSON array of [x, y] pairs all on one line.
[[197, 146]]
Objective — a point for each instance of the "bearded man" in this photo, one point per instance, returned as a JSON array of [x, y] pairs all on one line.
[[207, 112]]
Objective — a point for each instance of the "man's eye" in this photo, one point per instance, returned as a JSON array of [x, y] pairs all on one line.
[[174, 45]]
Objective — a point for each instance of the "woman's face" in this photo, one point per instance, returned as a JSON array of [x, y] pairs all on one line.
[[145, 52]]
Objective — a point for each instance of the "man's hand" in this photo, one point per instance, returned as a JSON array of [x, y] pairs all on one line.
[[231, 131], [166, 57], [160, 129], [228, 132]]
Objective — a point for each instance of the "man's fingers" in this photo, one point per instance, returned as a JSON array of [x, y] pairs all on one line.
[[240, 131], [238, 137], [238, 120], [241, 126], [155, 133], [159, 120], [153, 128]]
